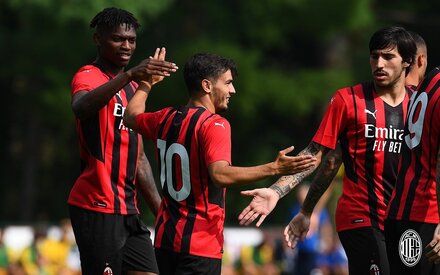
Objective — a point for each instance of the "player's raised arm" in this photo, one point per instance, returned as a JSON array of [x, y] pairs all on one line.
[[148, 73]]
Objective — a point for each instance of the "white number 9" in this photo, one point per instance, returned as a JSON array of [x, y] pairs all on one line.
[[415, 128]]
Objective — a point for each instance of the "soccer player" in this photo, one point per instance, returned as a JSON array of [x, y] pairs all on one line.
[[418, 68], [367, 121], [412, 223], [265, 200], [110, 235], [194, 154]]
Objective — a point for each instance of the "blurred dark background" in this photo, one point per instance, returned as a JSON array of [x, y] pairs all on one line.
[[292, 55]]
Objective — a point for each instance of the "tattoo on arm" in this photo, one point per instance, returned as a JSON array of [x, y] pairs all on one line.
[[286, 183], [322, 180]]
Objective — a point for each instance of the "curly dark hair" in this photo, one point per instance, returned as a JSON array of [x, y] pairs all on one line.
[[110, 18]]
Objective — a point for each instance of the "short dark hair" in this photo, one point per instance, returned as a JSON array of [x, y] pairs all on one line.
[[110, 18], [206, 66], [398, 37], [418, 39]]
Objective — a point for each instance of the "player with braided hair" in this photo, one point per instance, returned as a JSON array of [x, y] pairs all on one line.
[[110, 235]]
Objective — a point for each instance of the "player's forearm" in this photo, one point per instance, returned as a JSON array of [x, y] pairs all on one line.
[[322, 181], [136, 105], [86, 104], [226, 175], [286, 183], [146, 185]]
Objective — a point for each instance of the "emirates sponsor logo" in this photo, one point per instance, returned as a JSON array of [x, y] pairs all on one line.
[[118, 112], [389, 133], [385, 139]]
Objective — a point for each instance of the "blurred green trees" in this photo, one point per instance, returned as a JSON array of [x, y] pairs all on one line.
[[291, 54]]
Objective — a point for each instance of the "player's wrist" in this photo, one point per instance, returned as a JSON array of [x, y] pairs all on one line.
[[275, 169], [306, 212], [145, 86], [128, 75], [277, 191]]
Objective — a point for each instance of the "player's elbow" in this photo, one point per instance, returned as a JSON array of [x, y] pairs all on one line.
[[129, 120], [221, 181], [82, 107], [80, 111], [218, 173]]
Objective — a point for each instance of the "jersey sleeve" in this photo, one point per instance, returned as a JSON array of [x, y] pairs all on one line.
[[146, 123], [332, 123], [86, 79], [217, 141]]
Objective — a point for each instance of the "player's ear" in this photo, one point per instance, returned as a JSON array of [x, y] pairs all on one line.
[[206, 86], [420, 60], [407, 63], [96, 39]]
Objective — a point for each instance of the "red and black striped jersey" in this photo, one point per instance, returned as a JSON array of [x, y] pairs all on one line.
[[414, 197], [370, 133], [192, 212], [108, 151]]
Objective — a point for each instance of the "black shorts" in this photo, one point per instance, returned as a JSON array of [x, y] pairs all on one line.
[[366, 251], [112, 243], [406, 242], [171, 263]]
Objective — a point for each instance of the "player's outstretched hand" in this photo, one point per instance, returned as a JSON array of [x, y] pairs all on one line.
[[154, 68], [296, 229], [433, 248], [287, 165], [263, 202]]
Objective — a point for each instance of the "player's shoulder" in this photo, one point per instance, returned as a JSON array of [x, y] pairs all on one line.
[[88, 70], [430, 80], [215, 120], [355, 89], [87, 78], [159, 114]]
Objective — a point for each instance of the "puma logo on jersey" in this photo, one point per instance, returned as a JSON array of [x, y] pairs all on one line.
[[370, 113], [219, 124]]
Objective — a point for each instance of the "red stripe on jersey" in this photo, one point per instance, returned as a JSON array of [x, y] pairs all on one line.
[[414, 198], [108, 151], [191, 216], [368, 132]]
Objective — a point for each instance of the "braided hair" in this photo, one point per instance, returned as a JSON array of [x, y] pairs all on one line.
[[110, 18]]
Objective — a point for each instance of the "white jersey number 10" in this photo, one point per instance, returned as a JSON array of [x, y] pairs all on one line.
[[166, 171]]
